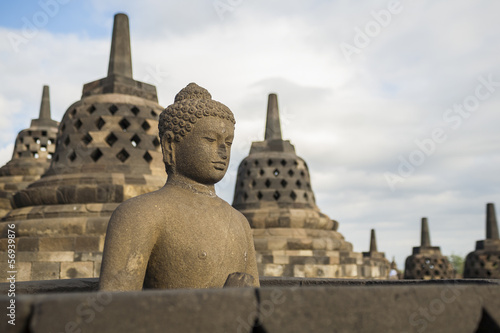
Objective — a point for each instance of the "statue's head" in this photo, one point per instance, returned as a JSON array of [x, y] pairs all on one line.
[[196, 134]]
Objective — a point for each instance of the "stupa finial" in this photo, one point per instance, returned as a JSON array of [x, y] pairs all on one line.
[[491, 222], [45, 104], [120, 58], [273, 127], [373, 241], [425, 238]]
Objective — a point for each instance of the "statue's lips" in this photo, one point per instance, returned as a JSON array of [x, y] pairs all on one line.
[[219, 165]]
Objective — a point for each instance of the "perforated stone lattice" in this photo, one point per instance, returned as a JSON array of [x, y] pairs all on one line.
[[279, 179], [109, 133], [482, 265], [38, 144], [428, 268]]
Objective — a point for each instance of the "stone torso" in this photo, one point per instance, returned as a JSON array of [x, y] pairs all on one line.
[[200, 241]]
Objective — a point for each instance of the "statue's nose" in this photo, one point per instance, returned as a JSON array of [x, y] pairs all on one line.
[[223, 151]]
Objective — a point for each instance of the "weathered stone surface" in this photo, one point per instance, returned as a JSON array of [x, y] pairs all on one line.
[[484, 262], [107, 151], [427, 262], [183, 235], [273, 190], [383, 306]]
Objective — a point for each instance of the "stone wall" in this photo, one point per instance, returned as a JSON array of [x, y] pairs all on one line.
[[285, 305]]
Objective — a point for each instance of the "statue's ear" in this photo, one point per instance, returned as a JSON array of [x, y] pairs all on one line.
[[167, 148]]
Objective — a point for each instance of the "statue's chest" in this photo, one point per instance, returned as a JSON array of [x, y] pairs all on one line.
[[205, 241]]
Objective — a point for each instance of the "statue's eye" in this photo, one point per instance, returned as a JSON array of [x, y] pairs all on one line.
[[229, 143], [209, 139]]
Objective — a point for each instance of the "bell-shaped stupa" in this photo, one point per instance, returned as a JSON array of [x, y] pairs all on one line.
[[427, 262], [107, 151], [292, 237], [374, 258], [484, 262], [33, 152]]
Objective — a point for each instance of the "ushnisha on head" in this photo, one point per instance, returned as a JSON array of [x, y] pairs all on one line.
[[194, 108]]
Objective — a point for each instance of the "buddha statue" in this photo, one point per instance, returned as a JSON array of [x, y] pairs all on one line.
[[183, 235]]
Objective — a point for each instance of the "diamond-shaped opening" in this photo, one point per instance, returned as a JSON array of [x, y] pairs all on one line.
[[78, 123], [276, 195], [63, 127], [256, 162], [245, 196], [269, 162], [248, 172], [242, 184], [135, 140], [21, 140], [96, 155], [306, 196], [290, 173], [111, 139], [35, 155], [37, 140], [156, 142], [293, 195], [43, 148], [298, 183], [49, 141], [124, 124], [147, 157], [113, 109], [145, 125], [259, 195], [154, 114], [122, 155], [302, 173], [91, 109], [268, 183], [245, 163], [276, 172], [72, 156], [27, 147], [67, 141], [308, 185], [73, 112], [49, 156], [254, 183], [284, 183], [261, 172], [19, 154], [100, 123], [86, 139], [44, 133], [283, 162], [135, 110], [56, 158], [295, 163]]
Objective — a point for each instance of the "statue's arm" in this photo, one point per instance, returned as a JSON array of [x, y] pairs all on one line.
[[251, 257], [127, 249]]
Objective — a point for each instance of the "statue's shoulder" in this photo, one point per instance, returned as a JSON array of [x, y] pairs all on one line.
[[149, 206]]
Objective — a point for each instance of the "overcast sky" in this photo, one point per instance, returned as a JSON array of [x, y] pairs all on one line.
[[395, 106]]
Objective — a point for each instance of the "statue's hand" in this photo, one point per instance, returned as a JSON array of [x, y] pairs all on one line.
[[239, 280]]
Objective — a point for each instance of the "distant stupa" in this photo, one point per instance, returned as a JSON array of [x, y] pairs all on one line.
[[107, 151], [292, 237], [484, 262], [33, 152], [427, 262]]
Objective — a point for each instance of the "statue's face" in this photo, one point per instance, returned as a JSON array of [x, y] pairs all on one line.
[[203, 154]]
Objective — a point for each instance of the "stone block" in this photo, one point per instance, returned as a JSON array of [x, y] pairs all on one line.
[[273, 270], [56, 256], [88, 244], [300, 244], [23, 271], [350, 270], [281, 259], [27, 244], [45, 270], [276, 244], [260, 244], [71, 270], [57, 244], [220, 310]]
